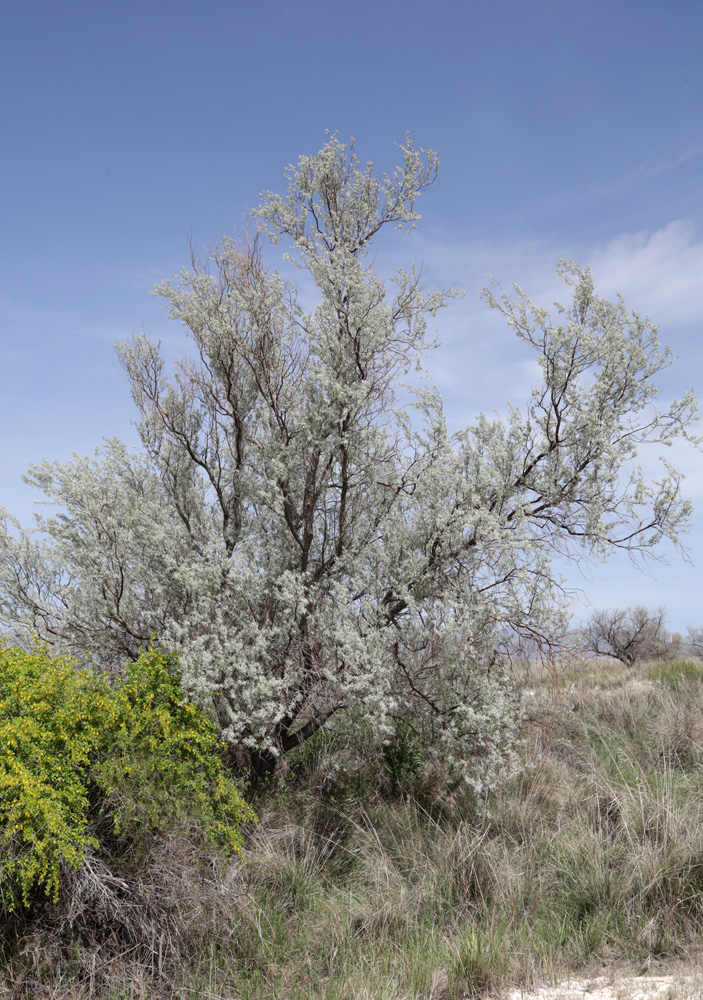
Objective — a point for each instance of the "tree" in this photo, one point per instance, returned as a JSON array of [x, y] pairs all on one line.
[[694, 641], [627, 635], [309, 546]]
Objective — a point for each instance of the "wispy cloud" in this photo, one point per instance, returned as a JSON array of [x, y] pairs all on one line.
[[603, 189], [652, 170], [659, 273]]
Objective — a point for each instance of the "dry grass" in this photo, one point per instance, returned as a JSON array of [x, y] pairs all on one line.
[[591, 856]]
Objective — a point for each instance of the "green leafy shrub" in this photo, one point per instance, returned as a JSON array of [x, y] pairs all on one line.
[[74, 751]]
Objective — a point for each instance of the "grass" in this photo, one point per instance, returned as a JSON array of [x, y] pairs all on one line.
[[357, 887]]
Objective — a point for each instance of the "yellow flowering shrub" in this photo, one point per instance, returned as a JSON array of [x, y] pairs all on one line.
[[163, 764], [73, 750]]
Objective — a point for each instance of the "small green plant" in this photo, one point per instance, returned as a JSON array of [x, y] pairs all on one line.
[[74, 750], [478, 967], [403, 757]]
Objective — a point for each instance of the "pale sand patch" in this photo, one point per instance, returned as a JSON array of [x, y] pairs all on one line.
[[627, 988]]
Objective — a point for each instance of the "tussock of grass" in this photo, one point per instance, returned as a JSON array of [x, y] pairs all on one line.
[[357, 886], [677, 673]]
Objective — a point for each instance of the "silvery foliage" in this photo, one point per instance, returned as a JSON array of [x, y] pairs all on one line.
[[309, 546]]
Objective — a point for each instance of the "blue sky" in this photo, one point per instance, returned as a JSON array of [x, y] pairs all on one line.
[[564, 130]]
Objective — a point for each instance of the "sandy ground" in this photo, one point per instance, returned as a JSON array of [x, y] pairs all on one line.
[[683, 984]]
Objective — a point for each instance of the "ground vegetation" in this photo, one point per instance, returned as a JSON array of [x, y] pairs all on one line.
[[361, 881]]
